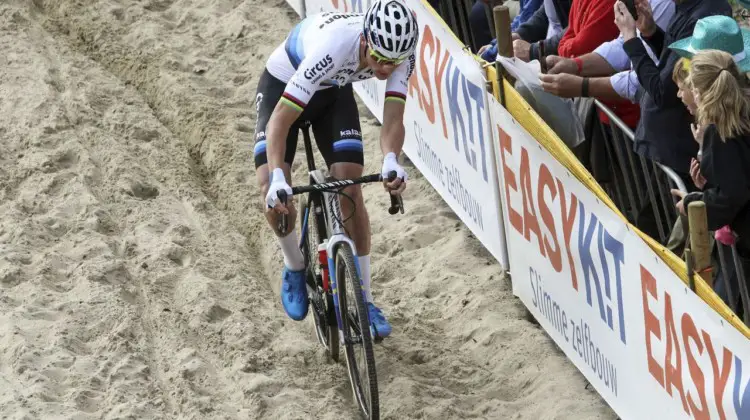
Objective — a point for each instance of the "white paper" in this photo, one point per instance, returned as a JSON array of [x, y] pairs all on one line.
[[526, 73]]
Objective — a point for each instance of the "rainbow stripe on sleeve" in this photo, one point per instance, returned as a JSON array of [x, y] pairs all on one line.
[[395, 96], [293, 102]]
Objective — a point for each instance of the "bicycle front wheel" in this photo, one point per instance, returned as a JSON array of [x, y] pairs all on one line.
[[355, 322]]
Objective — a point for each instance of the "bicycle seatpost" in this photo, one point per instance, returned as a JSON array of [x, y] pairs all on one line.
[[282, 219]]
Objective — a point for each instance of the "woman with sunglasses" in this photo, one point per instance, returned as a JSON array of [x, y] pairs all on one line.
[[308, 78]]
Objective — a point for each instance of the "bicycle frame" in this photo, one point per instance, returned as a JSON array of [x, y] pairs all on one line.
[[332, 214], [337, 236]]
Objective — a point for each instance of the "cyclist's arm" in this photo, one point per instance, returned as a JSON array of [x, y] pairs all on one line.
[[281, 120], [314, 68], [393, 132]]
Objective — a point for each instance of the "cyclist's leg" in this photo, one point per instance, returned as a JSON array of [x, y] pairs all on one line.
[[339, 139], [293, 289]]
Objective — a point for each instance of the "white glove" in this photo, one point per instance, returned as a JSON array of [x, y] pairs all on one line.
[[391, 164], [278, 183]]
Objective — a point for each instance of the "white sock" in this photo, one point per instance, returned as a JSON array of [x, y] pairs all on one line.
[[364, 268], [293, 258]]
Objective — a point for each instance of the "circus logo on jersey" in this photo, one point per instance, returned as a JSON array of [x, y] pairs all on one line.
[[320, 67]]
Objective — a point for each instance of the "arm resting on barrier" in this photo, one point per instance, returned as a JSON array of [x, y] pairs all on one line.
[[601, 88], [659, 85], [550, 46], [594, 65]]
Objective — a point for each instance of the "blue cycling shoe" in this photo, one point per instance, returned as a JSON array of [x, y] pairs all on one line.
[[294, 294], [379, 326]]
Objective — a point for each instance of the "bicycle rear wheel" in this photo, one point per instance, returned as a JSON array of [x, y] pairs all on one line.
[[321, 298], [355, 323]]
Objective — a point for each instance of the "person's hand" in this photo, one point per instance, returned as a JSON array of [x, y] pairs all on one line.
[[680, 206], [278, 183], [557, 65], [624, 21], [514, 36], [563, 85], [522, 50], [698, 132], [645, 22], [482, 49], [390, 163], [695, 174]]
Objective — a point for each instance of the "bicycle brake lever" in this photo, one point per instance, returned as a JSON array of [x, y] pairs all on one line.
[[282, 219], [397, 203]]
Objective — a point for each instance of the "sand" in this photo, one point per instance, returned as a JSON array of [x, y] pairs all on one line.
[[138, 278]]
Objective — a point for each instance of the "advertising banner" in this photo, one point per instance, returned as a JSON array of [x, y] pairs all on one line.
[[646, 342]]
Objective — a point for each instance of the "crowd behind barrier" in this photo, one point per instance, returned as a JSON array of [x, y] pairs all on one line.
[[614, 299], [641, 188]]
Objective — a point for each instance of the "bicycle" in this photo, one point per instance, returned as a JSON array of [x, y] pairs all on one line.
[[328, 260]]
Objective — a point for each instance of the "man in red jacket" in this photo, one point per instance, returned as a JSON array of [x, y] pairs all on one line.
[[591, 23]]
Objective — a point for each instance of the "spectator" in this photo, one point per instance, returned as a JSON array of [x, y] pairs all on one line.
[[663, 133], [479, 22], [611, 80], [526, 11], [542, 31], [607, 67], [722, 96], [592, 22]]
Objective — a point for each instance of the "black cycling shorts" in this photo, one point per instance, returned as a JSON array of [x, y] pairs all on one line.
[[333, 115]]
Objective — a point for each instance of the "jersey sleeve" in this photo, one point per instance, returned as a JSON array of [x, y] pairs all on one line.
[[317, 66], [398, 83]]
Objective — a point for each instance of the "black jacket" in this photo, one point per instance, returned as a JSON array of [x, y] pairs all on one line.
[[663, 133], [534, 30], [726, 167]]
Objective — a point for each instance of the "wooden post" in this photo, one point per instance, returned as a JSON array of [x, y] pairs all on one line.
[[501, 16], [699, 240], [502, 29], [489, 7]]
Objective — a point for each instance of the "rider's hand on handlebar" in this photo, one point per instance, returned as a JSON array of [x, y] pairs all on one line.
[[398, 185], [278, 183]]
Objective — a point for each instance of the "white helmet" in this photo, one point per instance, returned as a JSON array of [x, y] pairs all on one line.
[[391, 29]]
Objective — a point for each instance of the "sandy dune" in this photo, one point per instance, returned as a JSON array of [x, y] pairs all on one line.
[[138, 278]]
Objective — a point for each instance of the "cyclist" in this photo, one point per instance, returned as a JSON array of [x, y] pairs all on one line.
[[308, 78]]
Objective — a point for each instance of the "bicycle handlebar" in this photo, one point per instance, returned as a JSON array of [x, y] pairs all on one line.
[[397, 203]]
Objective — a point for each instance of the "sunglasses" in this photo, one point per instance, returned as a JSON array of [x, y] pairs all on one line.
[[383, 60]]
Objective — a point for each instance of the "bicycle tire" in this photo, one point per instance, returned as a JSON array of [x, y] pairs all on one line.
[[326, 328], [348, 277]]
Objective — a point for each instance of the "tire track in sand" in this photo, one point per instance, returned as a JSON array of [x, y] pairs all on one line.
[[143, 291], [462, 347]]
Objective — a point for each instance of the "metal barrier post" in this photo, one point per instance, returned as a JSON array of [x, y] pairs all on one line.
[[740, 272], [725, 276]]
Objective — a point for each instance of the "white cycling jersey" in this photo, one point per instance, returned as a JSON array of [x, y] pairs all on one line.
[[322, 51]]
